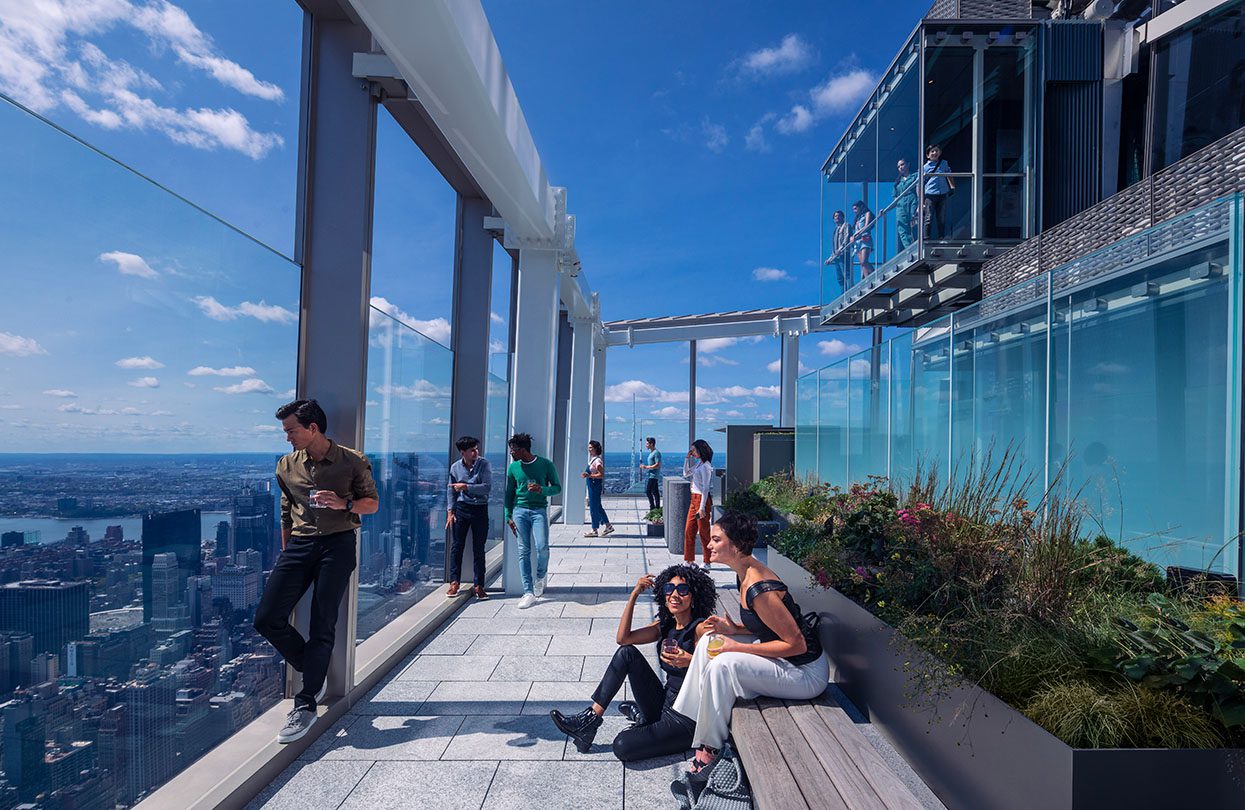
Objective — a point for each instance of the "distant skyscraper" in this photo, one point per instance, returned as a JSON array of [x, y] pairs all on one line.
[[169, 609], [148, 743], [21, 649], [78, 536], [222, 540], [199, 598], [251, 558], [44, 667], [170, 533], [237, 584], [11, 539], [114, 534], [254, 523], [24, 737], [53, 612]]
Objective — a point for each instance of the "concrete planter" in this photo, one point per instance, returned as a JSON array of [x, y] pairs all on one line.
[[975, 751], [654, 529]]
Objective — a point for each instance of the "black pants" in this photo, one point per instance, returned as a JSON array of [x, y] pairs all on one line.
[[666, 731], [937, 228], [474, 519], [653, 490], [325, 565]]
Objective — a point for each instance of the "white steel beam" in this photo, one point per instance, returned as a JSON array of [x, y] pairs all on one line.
[[789, 370], [636, 335], [577, 422]]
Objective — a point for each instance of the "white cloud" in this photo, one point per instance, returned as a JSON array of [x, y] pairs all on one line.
[[798, 120], [10, 407], [497, 319], [716, 138], [19, 346], [776, 367], [231, 371], [129, 264], [791, 55], [420, 389], [755, 141], [839, 93], [644, 391], [711, 360], [267, 313], [709, 345], [770, 274], [252, 386], [438, 328], [48, 60], [139, 362], [265, 428], [837, 348], [670, 412], [145, 382], [63, 393]]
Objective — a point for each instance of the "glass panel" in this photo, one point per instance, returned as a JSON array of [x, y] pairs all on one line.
[[145, 346], [867, 414], [1140, 416], [1199, 86], [948, 99], [496, 432], [902, 456], [499, 318], [402, 546], [931, 394], [625, 448], [835, 237], [1003, 208], [832, 428], [1004, 150], [899, 158], [862, 187], [806, 425]]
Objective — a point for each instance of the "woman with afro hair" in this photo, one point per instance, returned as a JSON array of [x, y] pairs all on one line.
[[685, 596]]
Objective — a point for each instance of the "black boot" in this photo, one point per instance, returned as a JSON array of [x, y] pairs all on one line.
[[632, 712], [581, 728]]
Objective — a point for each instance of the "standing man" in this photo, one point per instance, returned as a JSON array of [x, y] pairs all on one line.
[[839, 256], [530, 482], [324, 489], [938, 187], [905, 204], [471, 479], [652, 487]]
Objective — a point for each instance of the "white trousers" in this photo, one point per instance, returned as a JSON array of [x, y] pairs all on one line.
[[712, 686]]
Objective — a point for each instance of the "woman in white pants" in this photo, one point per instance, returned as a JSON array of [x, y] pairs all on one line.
[[767, 655]]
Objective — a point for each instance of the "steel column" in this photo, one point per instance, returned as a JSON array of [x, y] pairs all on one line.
[[691, 393], [789, 371], [578, 432]]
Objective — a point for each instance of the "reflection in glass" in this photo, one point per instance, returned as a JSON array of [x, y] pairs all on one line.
[[806, 423], [146, 345], [402, 546]]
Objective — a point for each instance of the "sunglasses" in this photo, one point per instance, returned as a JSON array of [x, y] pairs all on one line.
[[683, 588]]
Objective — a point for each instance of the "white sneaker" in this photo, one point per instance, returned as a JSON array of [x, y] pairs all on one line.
[[539, 590], [609, 529], [297, 723], [527, 601]]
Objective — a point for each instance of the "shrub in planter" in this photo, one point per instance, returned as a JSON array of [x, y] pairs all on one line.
[[749, 502], [653, 520]]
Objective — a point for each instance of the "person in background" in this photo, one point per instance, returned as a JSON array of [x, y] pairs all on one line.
[[905, 204], [839, 254], [652, 471], [325, 488], [768, 655], [531, 481], [595, 475], [685, 596], [938, 188], [862, 235], [698, 468], [471, 479]]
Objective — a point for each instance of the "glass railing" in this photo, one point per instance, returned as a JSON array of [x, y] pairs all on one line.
[[402, 547], [496, 433], [625, 449], [1113, 379], [146, 345]]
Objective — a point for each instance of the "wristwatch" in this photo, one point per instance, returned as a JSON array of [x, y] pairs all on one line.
[[349, 505]]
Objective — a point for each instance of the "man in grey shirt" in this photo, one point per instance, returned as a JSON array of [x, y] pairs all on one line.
[[470, 483]]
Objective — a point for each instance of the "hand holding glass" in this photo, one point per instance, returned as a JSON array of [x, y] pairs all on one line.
[[715, 645], [315, 499]]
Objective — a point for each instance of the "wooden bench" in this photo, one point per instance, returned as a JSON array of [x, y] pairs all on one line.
[[809, 754]]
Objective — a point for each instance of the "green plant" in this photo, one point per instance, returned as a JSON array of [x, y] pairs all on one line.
[[653, 515], [749, 502], [1087, 715], [798, 541], [783, 491]]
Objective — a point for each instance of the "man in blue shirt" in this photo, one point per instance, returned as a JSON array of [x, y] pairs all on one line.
[[938, 188], [471, 479], [652, 487]]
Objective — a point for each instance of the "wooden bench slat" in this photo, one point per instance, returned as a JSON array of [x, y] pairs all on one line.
[[818, 788], [852, 785], [888, 786], [773, 786]]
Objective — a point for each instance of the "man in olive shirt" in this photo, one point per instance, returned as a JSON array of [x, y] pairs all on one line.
[[530, 482], [324, 489]]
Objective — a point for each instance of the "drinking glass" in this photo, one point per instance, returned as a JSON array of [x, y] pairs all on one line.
[[715, 645]]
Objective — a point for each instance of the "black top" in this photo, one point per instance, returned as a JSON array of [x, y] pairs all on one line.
[[674, 675], [762, 631]]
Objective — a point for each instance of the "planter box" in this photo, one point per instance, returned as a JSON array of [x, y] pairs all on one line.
[[975, 751], [655, 529]]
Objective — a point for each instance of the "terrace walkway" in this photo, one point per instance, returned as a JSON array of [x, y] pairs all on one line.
[[463, 721]]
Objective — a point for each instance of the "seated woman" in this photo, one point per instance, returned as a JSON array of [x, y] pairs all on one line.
[[684, 596], [765, 656]]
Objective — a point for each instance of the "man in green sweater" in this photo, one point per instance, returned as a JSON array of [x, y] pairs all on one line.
[[530, 482]]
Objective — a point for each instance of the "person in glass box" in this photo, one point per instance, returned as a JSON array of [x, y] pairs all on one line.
[[685, 596]]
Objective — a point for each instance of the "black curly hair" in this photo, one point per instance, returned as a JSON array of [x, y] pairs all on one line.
[[704, 595]]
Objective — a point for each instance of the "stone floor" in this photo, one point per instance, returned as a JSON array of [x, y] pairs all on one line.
[[463, 721]]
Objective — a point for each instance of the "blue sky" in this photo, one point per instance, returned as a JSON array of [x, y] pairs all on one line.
[[689, 136]]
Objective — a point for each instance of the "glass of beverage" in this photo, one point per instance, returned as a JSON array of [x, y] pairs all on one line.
[[314, 504], [715, 645], [669, 646]]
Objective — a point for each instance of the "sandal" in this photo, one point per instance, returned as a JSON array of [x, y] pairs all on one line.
[[696, 766]]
